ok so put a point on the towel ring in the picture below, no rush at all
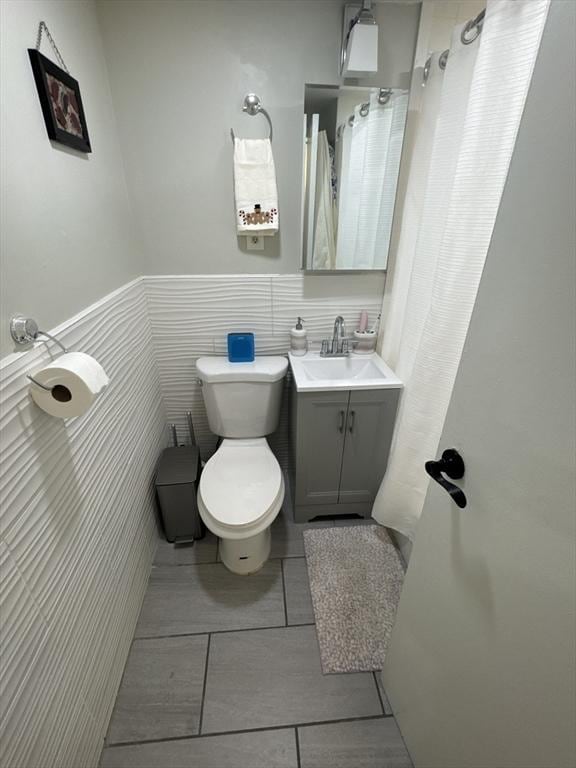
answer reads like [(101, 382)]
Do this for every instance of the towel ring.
[(253, 106)]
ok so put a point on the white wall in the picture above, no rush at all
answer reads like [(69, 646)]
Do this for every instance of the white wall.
[(67, 231), (179, 72), (77, 537)]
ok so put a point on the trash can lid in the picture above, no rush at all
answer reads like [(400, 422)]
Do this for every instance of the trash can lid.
[(178, 465)]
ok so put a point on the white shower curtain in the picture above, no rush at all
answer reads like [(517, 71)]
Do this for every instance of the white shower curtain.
[(324, 255), (371, 150), (481, 102), (420, 156)]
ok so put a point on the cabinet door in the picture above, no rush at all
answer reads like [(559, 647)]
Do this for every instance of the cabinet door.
[(320, 429), (369, 427)]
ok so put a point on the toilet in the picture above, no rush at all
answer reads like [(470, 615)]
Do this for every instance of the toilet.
[(241, 488)]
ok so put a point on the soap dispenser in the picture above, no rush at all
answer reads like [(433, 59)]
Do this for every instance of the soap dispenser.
[(298, 340)]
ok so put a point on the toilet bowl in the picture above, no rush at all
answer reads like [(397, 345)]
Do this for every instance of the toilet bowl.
[(241, 493), (241, 488)]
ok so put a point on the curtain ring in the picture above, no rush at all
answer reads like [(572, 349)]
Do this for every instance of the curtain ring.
[(426, 70), (384, 96), (442, 61), (468, 27), (364, 109)]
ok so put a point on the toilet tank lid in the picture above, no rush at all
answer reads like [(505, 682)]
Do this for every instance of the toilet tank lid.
[(220, 369)]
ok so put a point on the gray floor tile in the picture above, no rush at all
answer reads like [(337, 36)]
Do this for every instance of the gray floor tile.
[(362, 744), (208, 598), (264, 749), (273, 678), (383, 696), (298, 599), (287, 538), (161, 692), (201, 551)]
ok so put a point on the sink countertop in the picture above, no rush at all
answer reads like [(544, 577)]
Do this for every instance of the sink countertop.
[(313, 373)]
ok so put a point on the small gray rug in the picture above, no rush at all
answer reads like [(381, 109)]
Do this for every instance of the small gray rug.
[(356, 576)]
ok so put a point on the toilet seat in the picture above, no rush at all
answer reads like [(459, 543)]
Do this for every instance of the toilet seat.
[(241, 488)]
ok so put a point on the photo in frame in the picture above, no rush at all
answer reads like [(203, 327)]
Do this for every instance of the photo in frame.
[(61, 103)]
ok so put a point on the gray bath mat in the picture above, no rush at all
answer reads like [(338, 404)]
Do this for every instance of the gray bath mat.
[(356, 575)]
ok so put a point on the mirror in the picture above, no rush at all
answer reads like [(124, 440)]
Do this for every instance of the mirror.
[(353, 144)]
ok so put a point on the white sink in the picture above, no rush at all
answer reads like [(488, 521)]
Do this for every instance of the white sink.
[(313, 373), (341, 368)]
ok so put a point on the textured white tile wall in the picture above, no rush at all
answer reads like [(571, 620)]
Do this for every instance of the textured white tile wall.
[(190, 316), (77, 535)]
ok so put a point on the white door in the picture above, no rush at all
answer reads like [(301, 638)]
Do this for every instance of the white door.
[(480, 670)]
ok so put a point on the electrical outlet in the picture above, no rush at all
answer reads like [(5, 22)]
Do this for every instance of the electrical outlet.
[(254, 242)]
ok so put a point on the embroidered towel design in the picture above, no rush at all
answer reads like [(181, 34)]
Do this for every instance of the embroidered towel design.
[(255, 187), (258, 216)]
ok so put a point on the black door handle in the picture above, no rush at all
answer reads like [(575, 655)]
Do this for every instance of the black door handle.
[(450, 464)]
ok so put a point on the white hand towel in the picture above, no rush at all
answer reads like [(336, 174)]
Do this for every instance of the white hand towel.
[(255, 187)]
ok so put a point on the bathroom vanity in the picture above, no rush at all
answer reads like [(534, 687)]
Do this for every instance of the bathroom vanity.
[(342, 419)]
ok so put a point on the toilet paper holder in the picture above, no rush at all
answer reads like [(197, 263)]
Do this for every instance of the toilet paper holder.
[(24, 330)]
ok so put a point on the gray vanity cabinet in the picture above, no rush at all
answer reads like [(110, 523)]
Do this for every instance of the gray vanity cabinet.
[(320, 431), (370, 422), (340, 443)]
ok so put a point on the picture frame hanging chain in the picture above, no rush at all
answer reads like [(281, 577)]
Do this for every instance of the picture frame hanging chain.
[(42, 27)]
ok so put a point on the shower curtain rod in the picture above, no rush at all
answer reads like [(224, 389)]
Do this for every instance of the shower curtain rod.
[(474, 24)]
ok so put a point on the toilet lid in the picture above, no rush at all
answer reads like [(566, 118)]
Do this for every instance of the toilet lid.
[(241, 481)]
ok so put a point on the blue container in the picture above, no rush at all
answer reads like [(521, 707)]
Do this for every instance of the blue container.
[(241, 347)]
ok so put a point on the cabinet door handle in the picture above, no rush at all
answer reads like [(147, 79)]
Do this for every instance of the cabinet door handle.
[(352, 420), (341, 425)]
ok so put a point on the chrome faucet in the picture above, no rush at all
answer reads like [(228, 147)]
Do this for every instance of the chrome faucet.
[(338, 347), (338, 332)]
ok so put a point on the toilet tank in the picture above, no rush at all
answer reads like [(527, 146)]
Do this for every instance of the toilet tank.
[(242, 399)]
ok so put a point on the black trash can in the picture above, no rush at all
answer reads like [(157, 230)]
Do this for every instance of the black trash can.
[(177, 480)]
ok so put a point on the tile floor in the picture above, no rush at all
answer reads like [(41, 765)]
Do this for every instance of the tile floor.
[(224, 672)]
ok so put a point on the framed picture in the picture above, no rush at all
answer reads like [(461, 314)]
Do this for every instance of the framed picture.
[(61, 103)]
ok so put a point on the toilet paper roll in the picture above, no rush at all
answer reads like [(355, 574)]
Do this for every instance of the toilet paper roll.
[(76, 380)]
